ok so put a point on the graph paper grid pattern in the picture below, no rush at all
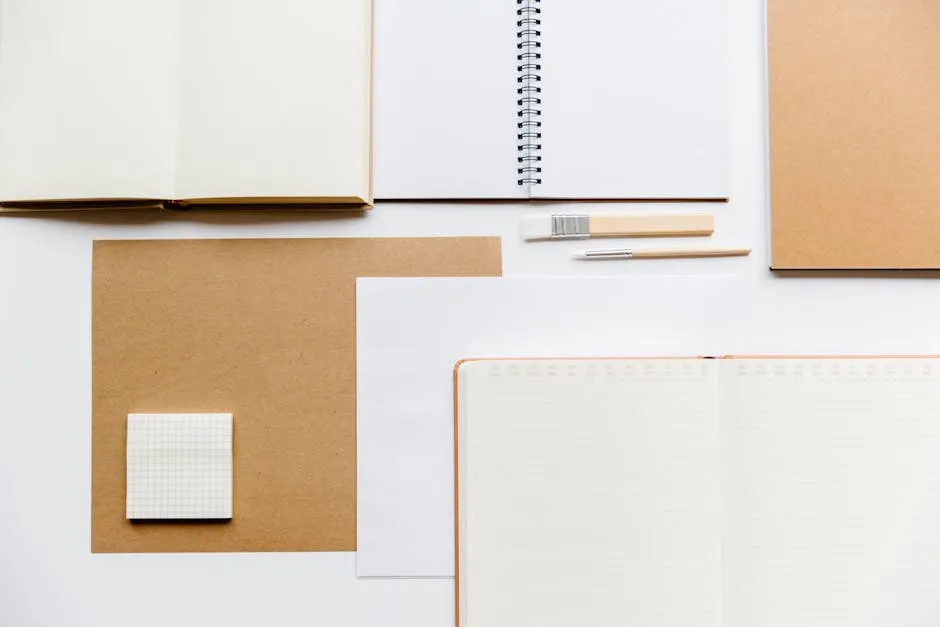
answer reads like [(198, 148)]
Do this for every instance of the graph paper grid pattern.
[(179, 466)]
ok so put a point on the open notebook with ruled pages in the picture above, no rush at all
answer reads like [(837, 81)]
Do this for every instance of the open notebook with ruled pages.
[(591, 99), (195, 101), (698, 492)]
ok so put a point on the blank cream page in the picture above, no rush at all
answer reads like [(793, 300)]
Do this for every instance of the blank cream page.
[(589, 493), (832, 485), (87, 99), (274, 99)]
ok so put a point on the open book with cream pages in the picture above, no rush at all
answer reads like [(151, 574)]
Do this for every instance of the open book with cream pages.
[(709, 492), (140, 102)]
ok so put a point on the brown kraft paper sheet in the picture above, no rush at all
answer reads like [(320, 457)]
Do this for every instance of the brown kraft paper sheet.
[(264, 329)]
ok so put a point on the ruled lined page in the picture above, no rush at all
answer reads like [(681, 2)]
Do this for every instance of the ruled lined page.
[(589, 493), (832, 487)]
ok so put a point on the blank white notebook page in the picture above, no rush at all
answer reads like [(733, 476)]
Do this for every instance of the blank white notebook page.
[(589, 493), (179, 466), (635, 99), (87, 99), (832, 484), (274, 99), (445, 99)]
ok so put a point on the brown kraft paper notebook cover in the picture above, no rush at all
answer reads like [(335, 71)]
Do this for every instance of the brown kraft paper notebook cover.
[(264, 329), (854, 94)]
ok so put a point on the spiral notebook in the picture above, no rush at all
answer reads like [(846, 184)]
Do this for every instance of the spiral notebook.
[(552, 99), (208, 101), (698, 492)]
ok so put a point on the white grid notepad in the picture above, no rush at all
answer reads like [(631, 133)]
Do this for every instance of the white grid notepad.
[(179, 466)]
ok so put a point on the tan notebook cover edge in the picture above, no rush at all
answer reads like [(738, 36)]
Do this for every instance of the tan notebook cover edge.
[(341, 203), (43, 206), (852, 132)]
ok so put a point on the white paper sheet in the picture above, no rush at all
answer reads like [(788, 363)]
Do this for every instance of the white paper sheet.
[(412, 331)]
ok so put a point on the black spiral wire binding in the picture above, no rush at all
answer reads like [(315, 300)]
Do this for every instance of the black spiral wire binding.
[(529, 91)]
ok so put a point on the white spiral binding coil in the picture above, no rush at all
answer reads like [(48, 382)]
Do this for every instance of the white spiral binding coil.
[(529, 91)]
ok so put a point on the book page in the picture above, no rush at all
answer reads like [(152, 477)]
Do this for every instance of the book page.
[(589, 493), (635, 99), (274, 99), (832, 487), (445, 99), (87, 99)]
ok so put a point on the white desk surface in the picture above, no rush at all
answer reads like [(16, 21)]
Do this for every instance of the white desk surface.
[(48, 577)]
